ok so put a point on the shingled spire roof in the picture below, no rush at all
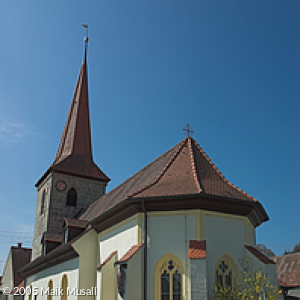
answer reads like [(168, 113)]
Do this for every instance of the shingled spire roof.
[(74, 155), (184, 170)]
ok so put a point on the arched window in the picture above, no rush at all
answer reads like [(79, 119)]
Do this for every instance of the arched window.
[(64, 287), (72, 197), (43, 202), (169, 279), (30, 294), (225, 271), (50, 286)]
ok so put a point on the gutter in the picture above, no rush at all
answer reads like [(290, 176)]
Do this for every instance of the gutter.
[(145, 248)]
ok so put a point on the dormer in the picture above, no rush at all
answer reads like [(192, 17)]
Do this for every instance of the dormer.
[(71, 228), (50, 241)]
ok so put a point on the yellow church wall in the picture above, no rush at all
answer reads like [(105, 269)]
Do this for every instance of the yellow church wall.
[(87, 248), (108, 284), (134, 276)]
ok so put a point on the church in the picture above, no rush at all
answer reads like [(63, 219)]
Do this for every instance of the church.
[(173, 230)]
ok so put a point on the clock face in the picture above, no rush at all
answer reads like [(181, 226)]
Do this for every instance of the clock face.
[(61, 186)]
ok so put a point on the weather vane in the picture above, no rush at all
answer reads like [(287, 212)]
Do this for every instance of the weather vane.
[(86, 39), (188, 129)]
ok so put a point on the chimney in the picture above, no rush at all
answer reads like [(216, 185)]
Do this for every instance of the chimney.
[(19, 245)]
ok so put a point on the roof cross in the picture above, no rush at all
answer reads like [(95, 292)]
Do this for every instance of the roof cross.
[(188, 129)]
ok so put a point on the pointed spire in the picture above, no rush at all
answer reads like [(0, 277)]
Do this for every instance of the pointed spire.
[(86, 40), (74, 155)]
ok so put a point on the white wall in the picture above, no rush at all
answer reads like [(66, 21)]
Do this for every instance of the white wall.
[(121, 239), (168, 233), (55, 273), (223, 235)]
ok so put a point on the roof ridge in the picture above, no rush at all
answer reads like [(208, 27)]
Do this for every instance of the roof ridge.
[(194, 165), (67, 124), (163, 171), (219, 172), (135, 174)]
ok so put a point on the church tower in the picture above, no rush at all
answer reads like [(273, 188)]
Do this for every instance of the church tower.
[(73, 181)]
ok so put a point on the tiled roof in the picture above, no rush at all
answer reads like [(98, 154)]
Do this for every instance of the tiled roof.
[(264, 259), (74, 155), (106, 260), (185, 169), (74, 223), (288, 270), (130, 252), (197, 249), (20, 257)]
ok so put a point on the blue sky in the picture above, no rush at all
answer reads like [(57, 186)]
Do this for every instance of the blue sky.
[(230, 68)]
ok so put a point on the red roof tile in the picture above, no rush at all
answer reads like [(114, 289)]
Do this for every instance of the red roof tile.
[(20, 285), (183, 170), (288, 270), (107, 260), (197, 249), (74, 155), (130, 252), (264, 259)]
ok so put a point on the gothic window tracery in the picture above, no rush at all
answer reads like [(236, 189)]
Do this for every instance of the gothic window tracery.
[(170, 280), (223, 274)]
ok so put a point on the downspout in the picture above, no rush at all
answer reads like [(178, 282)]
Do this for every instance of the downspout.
[(145, 249)]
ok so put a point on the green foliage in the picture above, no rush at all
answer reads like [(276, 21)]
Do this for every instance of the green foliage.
[(296, 248), (248, 286)]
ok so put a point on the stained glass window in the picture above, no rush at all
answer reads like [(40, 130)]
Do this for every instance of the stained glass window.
[(170, 281), (223, 275)]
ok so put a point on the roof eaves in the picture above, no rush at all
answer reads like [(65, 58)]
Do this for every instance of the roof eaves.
[(220, 174)]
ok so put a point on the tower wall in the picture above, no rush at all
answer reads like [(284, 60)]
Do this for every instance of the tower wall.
[(55, 205)]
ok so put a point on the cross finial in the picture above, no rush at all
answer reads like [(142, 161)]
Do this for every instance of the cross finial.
[(188, 129), (86, 39)]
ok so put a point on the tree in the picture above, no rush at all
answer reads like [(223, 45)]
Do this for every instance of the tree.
[(296, 248), (250, 285), (264, 250)]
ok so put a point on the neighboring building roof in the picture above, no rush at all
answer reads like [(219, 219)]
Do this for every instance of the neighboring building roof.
[(134, 249), (197, 249), (74, 155), (264, 259), (20, 257), (288, 270), (106, 260), (185, 169)]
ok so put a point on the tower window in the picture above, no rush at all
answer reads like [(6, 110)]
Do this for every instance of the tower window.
[(72, 197), (43, 203)]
